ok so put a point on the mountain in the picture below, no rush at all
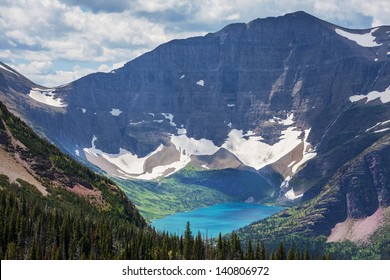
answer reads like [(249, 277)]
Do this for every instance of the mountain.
[(301, 104)]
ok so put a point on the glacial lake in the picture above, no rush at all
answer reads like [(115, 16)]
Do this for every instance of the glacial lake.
[(218, 218)]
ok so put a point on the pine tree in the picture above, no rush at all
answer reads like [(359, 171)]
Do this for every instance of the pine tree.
[(257, 251), (281, 252), (198, 248), (262, 251), (187, 242), (220, 248), (291, 254), (236, 250), (249, 251)]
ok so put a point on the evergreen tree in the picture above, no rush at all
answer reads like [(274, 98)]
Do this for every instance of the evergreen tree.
[(198, 248), (281, 252), (257, 250), (220, 254), (187, 242), (262, 252), (249, 251), (236, 250), (291, 254)]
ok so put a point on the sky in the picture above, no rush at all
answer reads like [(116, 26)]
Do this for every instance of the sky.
[(53, 42)]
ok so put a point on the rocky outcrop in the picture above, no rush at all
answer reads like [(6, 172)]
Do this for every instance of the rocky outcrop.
[(367, 185)]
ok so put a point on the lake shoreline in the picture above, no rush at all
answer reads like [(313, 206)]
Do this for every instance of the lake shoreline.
[(211, 220)]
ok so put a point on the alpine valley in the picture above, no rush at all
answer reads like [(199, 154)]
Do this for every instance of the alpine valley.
[(290, 111)]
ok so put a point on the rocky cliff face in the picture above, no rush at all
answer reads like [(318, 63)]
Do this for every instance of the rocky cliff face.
[(292, 94)]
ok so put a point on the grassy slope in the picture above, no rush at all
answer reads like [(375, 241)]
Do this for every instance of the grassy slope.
[(158, 199)]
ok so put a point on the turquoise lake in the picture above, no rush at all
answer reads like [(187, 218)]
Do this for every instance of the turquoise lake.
[(218, 218)]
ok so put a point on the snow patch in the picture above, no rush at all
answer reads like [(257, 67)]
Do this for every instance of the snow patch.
[(115, 112), (46, 96), (182, 77), (306, 157), (365, 40), (200, 83), (381, 130), (152, 114), (289, 120), (291, 195), (125, 160), (243, 147), (230, 105), (307, 154), (190, 146), (285, 184), (205, 166), (187, 147), (291, 163), (83, 110), (384, 96), (229, 125), (77, 152), (181, 131), (136, 123), (372, 127), (169, 117)]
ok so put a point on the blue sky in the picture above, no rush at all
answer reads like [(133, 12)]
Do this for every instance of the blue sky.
[(54, 42)]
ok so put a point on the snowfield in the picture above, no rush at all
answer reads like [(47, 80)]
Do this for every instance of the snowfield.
[(365, 40), (384, 96), (46, 96), (125, 161)]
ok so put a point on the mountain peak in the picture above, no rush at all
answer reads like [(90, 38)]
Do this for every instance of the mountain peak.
[(300, 18)]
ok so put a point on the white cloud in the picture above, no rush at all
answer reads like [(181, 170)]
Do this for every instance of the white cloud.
[(59, 77), (162, 5), (37, 36), (34, 67)]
